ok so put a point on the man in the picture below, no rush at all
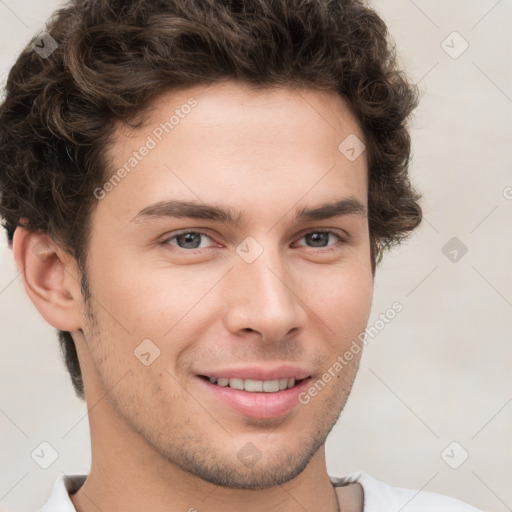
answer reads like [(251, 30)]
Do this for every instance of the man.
[(198, 194)]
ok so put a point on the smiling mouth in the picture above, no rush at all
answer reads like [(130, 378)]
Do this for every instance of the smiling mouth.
[(255, 386)]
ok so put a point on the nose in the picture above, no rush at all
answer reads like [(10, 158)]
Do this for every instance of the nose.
[(263, 296)]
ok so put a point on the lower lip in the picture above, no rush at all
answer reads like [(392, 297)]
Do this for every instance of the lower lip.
[(259, 405)]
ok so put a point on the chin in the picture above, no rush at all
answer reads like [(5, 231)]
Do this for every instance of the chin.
[(262, 475)]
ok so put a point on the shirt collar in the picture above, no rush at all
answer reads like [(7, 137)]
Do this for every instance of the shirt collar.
[(69, 484), (63, 487)]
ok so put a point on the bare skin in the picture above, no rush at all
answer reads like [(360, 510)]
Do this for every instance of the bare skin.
[(161, 440)]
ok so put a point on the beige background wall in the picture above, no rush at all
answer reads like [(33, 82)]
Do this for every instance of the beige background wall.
[(440, 371)]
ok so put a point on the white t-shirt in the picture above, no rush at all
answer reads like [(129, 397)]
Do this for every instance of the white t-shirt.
[(378, 496)]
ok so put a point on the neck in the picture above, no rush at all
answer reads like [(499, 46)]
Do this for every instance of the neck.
[(135, 487), (128, 474)]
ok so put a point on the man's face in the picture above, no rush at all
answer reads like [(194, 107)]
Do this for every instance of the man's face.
[(269, 297)]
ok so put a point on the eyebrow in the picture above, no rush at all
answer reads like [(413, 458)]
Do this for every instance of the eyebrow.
[(193, 210)]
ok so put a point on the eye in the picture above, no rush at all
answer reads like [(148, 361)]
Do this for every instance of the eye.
[(320, 239), (194, 240), (188, 240)]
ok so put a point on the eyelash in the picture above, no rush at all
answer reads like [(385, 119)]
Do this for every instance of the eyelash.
[(340, 239)]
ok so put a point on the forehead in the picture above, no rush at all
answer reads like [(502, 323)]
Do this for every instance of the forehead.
[(231, 144)]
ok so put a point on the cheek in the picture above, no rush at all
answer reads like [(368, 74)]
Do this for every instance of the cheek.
[(148, 298), (144, 299), (341, 296)]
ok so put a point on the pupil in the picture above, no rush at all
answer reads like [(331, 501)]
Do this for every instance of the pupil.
[(317, 239), (188, 239), (323, 238)]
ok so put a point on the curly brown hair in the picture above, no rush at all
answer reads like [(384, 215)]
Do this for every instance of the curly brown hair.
[(115, 57)]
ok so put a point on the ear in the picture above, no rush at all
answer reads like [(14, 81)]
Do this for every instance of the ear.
[(50, 278)]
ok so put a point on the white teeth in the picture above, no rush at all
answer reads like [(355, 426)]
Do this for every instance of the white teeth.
[(254, 386), (270, 386), (236, 384)]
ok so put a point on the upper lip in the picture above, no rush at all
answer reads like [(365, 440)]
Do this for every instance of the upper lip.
[(259, 372)]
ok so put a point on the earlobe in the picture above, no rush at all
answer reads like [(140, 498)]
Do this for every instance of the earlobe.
[(49, 277)]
